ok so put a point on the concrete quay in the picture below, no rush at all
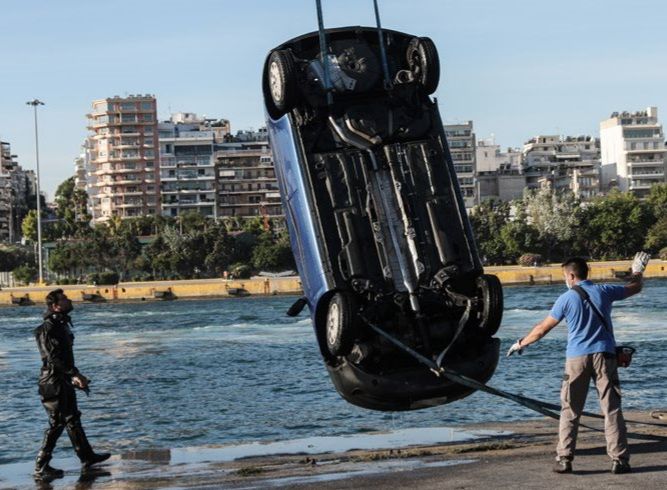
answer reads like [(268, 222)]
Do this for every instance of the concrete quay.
[(498, 455), (220, 288)]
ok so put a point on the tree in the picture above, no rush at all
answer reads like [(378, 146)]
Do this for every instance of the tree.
[(72, 209), (657, 200), (556, 216), (221, 247), (616, 225), (487, 221), (29, 226), (271, 254), (25, 273), (13, 257), (657, 235)]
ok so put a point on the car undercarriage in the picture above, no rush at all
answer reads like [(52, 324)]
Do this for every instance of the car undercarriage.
[(403, 276)]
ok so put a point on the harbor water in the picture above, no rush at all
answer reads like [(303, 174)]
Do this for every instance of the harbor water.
[(194, 373)]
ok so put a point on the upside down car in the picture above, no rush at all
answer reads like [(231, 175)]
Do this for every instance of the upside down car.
[(382, 242)]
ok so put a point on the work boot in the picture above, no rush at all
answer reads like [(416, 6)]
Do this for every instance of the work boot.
[(619, 467), (563, 465)]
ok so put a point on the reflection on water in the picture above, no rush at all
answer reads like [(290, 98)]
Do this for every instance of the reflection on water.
[(191, 373)]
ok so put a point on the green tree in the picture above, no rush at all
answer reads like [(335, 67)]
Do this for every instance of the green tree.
[(616, 225), (25, 273), (272, 254), (29, 226), (657, 200), (656, 239), (254, 225), (221, 247), (556, 216), (14, 256), (487, 220), (72, 209)]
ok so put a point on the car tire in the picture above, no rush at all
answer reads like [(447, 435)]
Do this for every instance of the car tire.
[(341, 324), (281, 81), (424, 63), (490, 292)]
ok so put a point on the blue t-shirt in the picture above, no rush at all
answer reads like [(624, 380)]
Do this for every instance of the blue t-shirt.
[(585, 332)]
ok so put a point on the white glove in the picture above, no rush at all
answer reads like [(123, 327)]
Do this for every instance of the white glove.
[(516, 347), (640, 261)]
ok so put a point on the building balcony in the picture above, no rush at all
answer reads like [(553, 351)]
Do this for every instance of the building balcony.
[(201, 202), (129, 205), (647, 175), (646, 163)]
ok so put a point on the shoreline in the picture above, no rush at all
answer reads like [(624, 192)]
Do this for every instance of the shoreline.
[(468, 456), (272, 286)]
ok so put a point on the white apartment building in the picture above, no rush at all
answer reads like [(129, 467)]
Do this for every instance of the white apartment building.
[(461, 140), (633, 151), (571, 162), (187, 163), (123, 149)]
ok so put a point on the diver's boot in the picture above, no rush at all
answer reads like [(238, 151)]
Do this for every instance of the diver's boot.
[(47, 472), (82, 447), (43, 470)]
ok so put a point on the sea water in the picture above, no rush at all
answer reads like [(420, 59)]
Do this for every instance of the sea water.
[(192, 373)]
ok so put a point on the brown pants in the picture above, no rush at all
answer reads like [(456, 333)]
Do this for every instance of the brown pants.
[(579, 371)]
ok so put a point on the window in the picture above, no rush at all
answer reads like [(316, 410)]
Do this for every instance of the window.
[(147, 117), (146, 106)]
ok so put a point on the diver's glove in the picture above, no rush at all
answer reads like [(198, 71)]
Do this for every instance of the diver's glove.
[(640, 261), (516, 347)]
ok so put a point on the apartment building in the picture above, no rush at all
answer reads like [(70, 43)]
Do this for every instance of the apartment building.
[(633, 151), (566, 163), (187, 163), (247, 184), (124, 166), (461, 140), (17, 193)]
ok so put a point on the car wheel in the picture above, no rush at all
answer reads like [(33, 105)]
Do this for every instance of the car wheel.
[(340, 325), (490, 292), (281, 81), (424, 63)]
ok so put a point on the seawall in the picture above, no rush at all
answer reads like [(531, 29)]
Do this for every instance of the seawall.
[(219, 288)]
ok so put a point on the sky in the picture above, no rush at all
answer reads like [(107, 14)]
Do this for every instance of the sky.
[(515, 68)]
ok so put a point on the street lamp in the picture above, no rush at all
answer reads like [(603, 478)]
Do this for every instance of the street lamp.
[(34, 103)]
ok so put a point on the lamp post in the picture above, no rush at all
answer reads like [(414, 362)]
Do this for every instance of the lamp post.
[(34, 103)]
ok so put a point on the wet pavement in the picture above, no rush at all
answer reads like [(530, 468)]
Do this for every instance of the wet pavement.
[(500, 455)]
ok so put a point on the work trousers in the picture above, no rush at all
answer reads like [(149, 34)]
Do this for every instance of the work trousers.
[(602, 369)]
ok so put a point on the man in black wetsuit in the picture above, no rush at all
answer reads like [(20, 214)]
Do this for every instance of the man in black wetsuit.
[(57, 381)]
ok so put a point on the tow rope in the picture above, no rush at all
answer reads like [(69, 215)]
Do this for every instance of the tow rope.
[(539, 406)]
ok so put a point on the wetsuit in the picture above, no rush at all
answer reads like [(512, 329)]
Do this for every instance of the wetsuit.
[(55, 340)]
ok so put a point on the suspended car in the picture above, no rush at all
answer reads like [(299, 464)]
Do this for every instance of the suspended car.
[(378, 228)]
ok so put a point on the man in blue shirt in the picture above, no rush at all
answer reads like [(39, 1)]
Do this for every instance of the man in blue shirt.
[(591, 354)]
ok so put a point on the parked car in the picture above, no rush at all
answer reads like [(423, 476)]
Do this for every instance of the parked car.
[(380, 235)]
